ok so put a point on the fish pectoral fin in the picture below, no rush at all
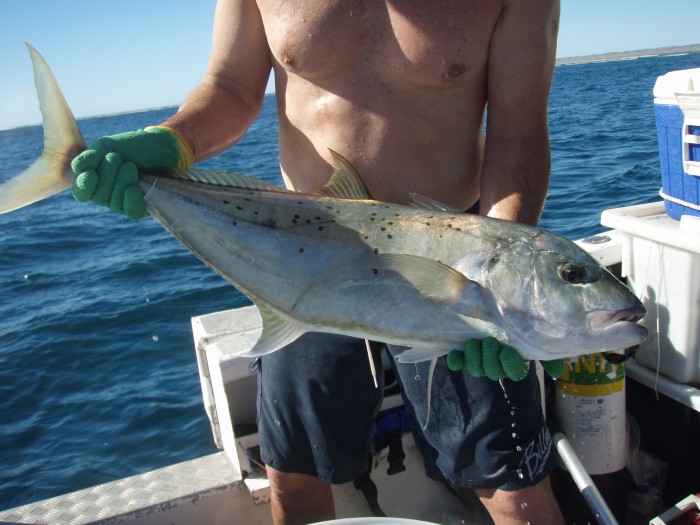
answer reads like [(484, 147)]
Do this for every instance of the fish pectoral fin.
[(431, 278), (426, 203), (417, 354), (345, 182), (278, 330)]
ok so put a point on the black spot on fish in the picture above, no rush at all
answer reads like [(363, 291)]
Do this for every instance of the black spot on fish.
[(308, 221), (449, 226), (235, 223), (255, 212), (320, 228), (366, 237), (294, 221), (427, 224), (391, 223), (301, 250), (247, 199), (375, 271), (317, 218), (226, 202), (383, 228), (297, 216), (389, 236), (376, 251), (238, 208)]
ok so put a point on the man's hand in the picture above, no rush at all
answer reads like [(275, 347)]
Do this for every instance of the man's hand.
[(488, 358), (107, 172)]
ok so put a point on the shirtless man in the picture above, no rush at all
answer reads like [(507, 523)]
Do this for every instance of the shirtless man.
[(399, 87)]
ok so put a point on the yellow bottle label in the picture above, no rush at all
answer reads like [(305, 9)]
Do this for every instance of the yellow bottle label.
[(591, 375)]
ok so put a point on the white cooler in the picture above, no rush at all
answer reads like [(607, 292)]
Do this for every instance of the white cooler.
[(661, 260)]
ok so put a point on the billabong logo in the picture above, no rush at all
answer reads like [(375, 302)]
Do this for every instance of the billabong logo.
[(536, 453)]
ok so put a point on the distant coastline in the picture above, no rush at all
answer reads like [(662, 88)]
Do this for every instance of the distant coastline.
[(622, 55)]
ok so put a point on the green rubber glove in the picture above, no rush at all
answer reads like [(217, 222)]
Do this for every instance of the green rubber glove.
[(488, 358), (107, 172)]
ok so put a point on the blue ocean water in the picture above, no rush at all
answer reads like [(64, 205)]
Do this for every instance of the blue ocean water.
[(98, 377)]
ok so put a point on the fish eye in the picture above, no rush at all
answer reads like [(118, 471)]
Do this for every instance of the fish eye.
[(572, 274)]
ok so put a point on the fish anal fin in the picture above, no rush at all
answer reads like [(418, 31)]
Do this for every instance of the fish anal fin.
[(416, 354), (345, 182), (278, 330)]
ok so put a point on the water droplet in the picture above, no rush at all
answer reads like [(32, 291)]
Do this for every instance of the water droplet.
[(523, 505), (512, 424), (417, 378), (26, 276), (521, 475), (514, 435), (277, 422), (155, 338), (519, 448)]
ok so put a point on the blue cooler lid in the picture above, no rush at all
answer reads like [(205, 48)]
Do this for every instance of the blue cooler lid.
[(676, 86), (681, 88)]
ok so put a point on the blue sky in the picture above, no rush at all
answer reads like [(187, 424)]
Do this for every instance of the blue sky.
[(112, 57)]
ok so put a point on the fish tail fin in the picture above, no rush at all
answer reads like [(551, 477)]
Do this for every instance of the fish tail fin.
[(51, 173)]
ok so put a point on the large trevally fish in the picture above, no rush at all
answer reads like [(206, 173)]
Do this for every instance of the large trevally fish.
[(422, 276)]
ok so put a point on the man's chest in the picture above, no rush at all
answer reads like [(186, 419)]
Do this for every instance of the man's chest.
[(425, 43)]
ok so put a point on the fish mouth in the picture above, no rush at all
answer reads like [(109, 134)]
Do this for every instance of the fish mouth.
[(618, 322)]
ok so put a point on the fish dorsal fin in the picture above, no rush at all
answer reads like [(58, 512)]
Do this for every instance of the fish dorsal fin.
[(278, 330), (426, 203), (345, 183), (222, 178)]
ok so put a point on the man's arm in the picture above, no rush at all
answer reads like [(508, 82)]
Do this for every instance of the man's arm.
[(515, 173), (227, 101)]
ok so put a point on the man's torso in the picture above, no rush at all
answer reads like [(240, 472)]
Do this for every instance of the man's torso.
[(399, 88)]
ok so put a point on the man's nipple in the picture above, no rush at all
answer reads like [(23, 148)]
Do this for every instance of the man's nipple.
[(454, 71)]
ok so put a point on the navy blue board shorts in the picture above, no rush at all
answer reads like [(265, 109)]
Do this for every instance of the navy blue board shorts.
[(317, 403)]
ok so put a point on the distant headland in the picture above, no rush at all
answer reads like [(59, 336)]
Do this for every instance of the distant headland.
[(670, 50)]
